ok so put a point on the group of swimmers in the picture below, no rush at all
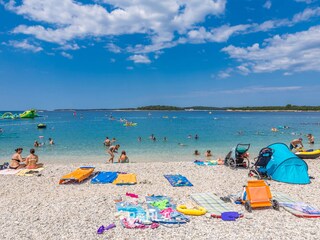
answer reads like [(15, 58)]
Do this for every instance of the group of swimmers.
[(207, 153), (38, 144), (30, 162)]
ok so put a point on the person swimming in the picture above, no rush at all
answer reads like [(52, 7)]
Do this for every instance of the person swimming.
[(107, 142), (208, 153), (310, 138), (51, 142), (196, 153)]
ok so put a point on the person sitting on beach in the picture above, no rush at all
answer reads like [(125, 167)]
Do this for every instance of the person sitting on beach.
[(123, 157), (112, 150), (196, 153), (295, 143), (310, 138), (208, 153), (16, 160), (107, 142), (51, 142), (32, 160)]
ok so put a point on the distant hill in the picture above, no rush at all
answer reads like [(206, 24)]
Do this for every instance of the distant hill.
[(288, 107)]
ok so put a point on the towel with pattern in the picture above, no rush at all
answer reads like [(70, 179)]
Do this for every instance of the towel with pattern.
[(178, 180), (214, 205)]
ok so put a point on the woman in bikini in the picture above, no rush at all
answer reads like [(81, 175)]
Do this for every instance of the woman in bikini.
[(17, 159), (112, 150), (32, 160)]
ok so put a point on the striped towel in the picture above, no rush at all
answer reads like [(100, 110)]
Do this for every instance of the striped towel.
[(214, 205), (285, 200)]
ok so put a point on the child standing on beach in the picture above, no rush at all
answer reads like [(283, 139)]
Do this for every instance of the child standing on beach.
[(112, 150)]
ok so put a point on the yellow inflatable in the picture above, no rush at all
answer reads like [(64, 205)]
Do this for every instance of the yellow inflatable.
[(308, 154), (196, 211)]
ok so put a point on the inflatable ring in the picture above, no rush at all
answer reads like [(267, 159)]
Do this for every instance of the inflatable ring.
[(198, 211)]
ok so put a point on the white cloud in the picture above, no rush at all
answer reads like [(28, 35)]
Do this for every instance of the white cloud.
[(66, 55), (257, 89), (306, 14), (25, 45), (306, 1), (267, 4), (113, 48), (225, 73), (290, 52), (70, 19), (139, 59)]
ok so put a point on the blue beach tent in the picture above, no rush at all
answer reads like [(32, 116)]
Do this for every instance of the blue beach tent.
[(285, 166)]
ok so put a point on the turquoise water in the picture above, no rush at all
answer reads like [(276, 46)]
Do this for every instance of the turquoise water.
[(80, 138)]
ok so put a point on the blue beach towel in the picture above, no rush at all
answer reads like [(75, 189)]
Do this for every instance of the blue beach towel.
[(104, 177), (178, 180), (205, 163)]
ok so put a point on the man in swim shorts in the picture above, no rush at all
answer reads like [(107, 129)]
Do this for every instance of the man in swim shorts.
[(296, 143)]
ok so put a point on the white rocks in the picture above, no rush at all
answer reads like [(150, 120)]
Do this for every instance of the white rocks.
[(55, 211)]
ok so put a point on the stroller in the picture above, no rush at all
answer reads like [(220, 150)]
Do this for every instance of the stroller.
[(238, 157), (259, 167)]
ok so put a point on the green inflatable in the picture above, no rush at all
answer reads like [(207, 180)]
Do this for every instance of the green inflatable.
[(29, 114), (8, 115)]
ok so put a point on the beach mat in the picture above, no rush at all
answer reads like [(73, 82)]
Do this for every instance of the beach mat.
[(178, 180), (156, 204), (104, 177), (29, 172), (205, 163), (212, 203), (78, 175), (283, 199), (9, 171), (126, 179)]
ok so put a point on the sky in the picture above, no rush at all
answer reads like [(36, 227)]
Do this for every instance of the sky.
[(129, 53)]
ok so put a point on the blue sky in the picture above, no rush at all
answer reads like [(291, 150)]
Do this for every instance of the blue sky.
[(129, 53)]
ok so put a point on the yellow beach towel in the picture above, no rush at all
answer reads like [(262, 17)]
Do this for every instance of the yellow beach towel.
[(78, 175), (126, 179)]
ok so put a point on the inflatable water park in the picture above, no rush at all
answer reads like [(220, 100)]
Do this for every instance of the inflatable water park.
[(32, 113)]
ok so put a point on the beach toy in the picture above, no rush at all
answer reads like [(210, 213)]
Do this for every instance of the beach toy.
[(102, 228), (195, 211), (132, 195), (308, 154), (229, 216)]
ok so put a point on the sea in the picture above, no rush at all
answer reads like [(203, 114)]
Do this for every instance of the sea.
[(79, 136)]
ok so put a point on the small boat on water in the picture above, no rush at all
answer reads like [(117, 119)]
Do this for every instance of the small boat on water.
[(41, 126)]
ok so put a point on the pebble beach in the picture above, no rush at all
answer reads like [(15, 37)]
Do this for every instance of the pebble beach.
[(37, 207)]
